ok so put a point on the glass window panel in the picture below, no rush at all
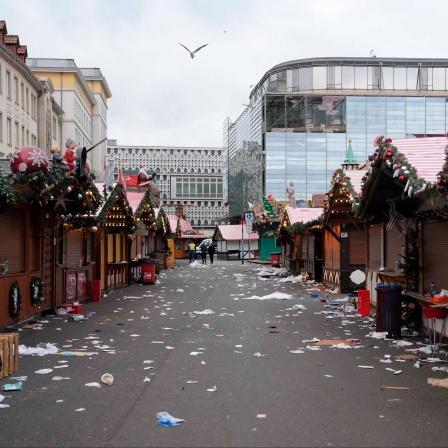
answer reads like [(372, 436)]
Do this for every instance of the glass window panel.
[(435, 116), (400, 78), (361, 78), (396, 116), (388, 78), (281, 81), (374, 77), (272, 83), (415, 115), (425, 78), (305, 78), (438, 78), (319, 78), (412, 77), (348, 77)]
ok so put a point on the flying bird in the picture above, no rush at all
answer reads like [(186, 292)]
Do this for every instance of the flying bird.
[(193, 52)]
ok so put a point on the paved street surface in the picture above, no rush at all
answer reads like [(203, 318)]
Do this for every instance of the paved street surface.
[(315, 398)]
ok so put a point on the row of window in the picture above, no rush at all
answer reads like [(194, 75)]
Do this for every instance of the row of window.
[(164, 152), (21, 95), (82, 117), (17, 136), (197, 187), (353, 77)]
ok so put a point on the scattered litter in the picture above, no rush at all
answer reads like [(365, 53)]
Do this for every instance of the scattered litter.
[(59, 378), (313, 348), (93, 384), (4, 406), (42, 349), (157, 342), (12, 386), (146, 380), (365, 367), (195, 353), (165, 419), (191, 382), (19, 378), (377, 335), (296, 351), (2, 397), (261, 415), (59, 401), (168, 347), (333, 342), (442, 369), (107, 378), (134, 335), (395, 372), (298, 307), (417, 365), (148, 361), (44, 371), (213, 389), (329, 376), (387, 361), (396, 388), (203, 312), (258, 355), (80, 409), (77, 353), (273, 296), (402, 343), (438, 382), (406, 357)]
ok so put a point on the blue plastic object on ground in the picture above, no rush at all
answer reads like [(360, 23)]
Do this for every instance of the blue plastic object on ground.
[(165, 419)]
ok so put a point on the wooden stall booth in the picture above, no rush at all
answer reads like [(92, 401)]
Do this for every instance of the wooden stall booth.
[(116, 225), (301, 237), (229, 239), (344, 236)]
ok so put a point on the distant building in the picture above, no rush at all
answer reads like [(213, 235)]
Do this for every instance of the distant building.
[(303, 112), (82, 93), (186, 176)]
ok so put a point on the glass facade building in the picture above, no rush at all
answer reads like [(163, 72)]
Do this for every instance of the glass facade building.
[(302, 114)]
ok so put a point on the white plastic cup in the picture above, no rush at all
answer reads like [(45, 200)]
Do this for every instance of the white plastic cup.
[(108, 379)]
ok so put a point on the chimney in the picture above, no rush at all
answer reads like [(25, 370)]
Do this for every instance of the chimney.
[(3, 31), (22, 53), (12, 43)]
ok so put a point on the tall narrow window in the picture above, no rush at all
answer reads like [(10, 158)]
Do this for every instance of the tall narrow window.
[(16, 90), (1, 127), (27, 101), (16, 134), (9, 131), (1, 80), (8, 84), (22, 95)]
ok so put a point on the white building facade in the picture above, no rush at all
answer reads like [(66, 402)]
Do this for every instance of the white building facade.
[(186, 176)]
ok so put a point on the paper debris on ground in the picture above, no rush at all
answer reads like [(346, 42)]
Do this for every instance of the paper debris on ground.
[(42, 349), (191, 382), (334, 342), (165, 419), (258, 355), (146, 380), (296, 351), (213, 389), (273, 296), (77, 353), (365, 367), (406, 357), (377, 335), (44, 371), (203, 312), (396, 388), (93, 384)]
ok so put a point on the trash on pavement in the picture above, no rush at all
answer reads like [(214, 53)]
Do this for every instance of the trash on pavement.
[(165, 419), (296, 351), (146, 380), (365, 367), (77, 353), (395, 372), (12, 386), (4, 406), (396, 387), (273, 296), (44, 371), (80, 409), (203, 312), (191, 382), (417, 364), (107, 378), (258, 355), (93, 384), (438, 382), (213, 389), (377, 334), (42, 349), (59, 378)]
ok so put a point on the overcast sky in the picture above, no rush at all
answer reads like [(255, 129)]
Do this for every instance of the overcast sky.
[(160, 96)]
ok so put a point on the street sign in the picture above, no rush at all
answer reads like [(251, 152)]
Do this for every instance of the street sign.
[(249, 226), (249, 217)]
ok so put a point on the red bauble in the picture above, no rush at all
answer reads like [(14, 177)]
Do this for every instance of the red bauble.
[(29, 159), (84, 205), (61, 191), (402, 179)]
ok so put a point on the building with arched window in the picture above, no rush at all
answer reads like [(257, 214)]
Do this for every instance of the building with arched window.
[(303, 112)]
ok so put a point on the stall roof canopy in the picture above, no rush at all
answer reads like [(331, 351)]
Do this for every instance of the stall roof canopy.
[(303, 214), (233, 233), (134, 198), (426, 154), (185, 226), (355, 177)]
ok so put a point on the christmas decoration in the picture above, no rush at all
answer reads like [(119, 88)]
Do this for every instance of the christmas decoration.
[(269, 208), (15, 301), (29, 159), (116, 215), (36, 287), (7, 196)]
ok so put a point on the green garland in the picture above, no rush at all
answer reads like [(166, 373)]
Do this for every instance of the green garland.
[(36, 288), (7, 196), (15, 301)]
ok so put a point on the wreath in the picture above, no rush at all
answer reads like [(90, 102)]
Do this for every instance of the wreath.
[(15, 300), (36, 287)]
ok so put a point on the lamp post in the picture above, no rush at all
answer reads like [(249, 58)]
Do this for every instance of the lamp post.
[(242, 238)]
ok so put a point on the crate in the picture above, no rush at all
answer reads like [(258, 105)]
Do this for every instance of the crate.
[(9, 353)]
